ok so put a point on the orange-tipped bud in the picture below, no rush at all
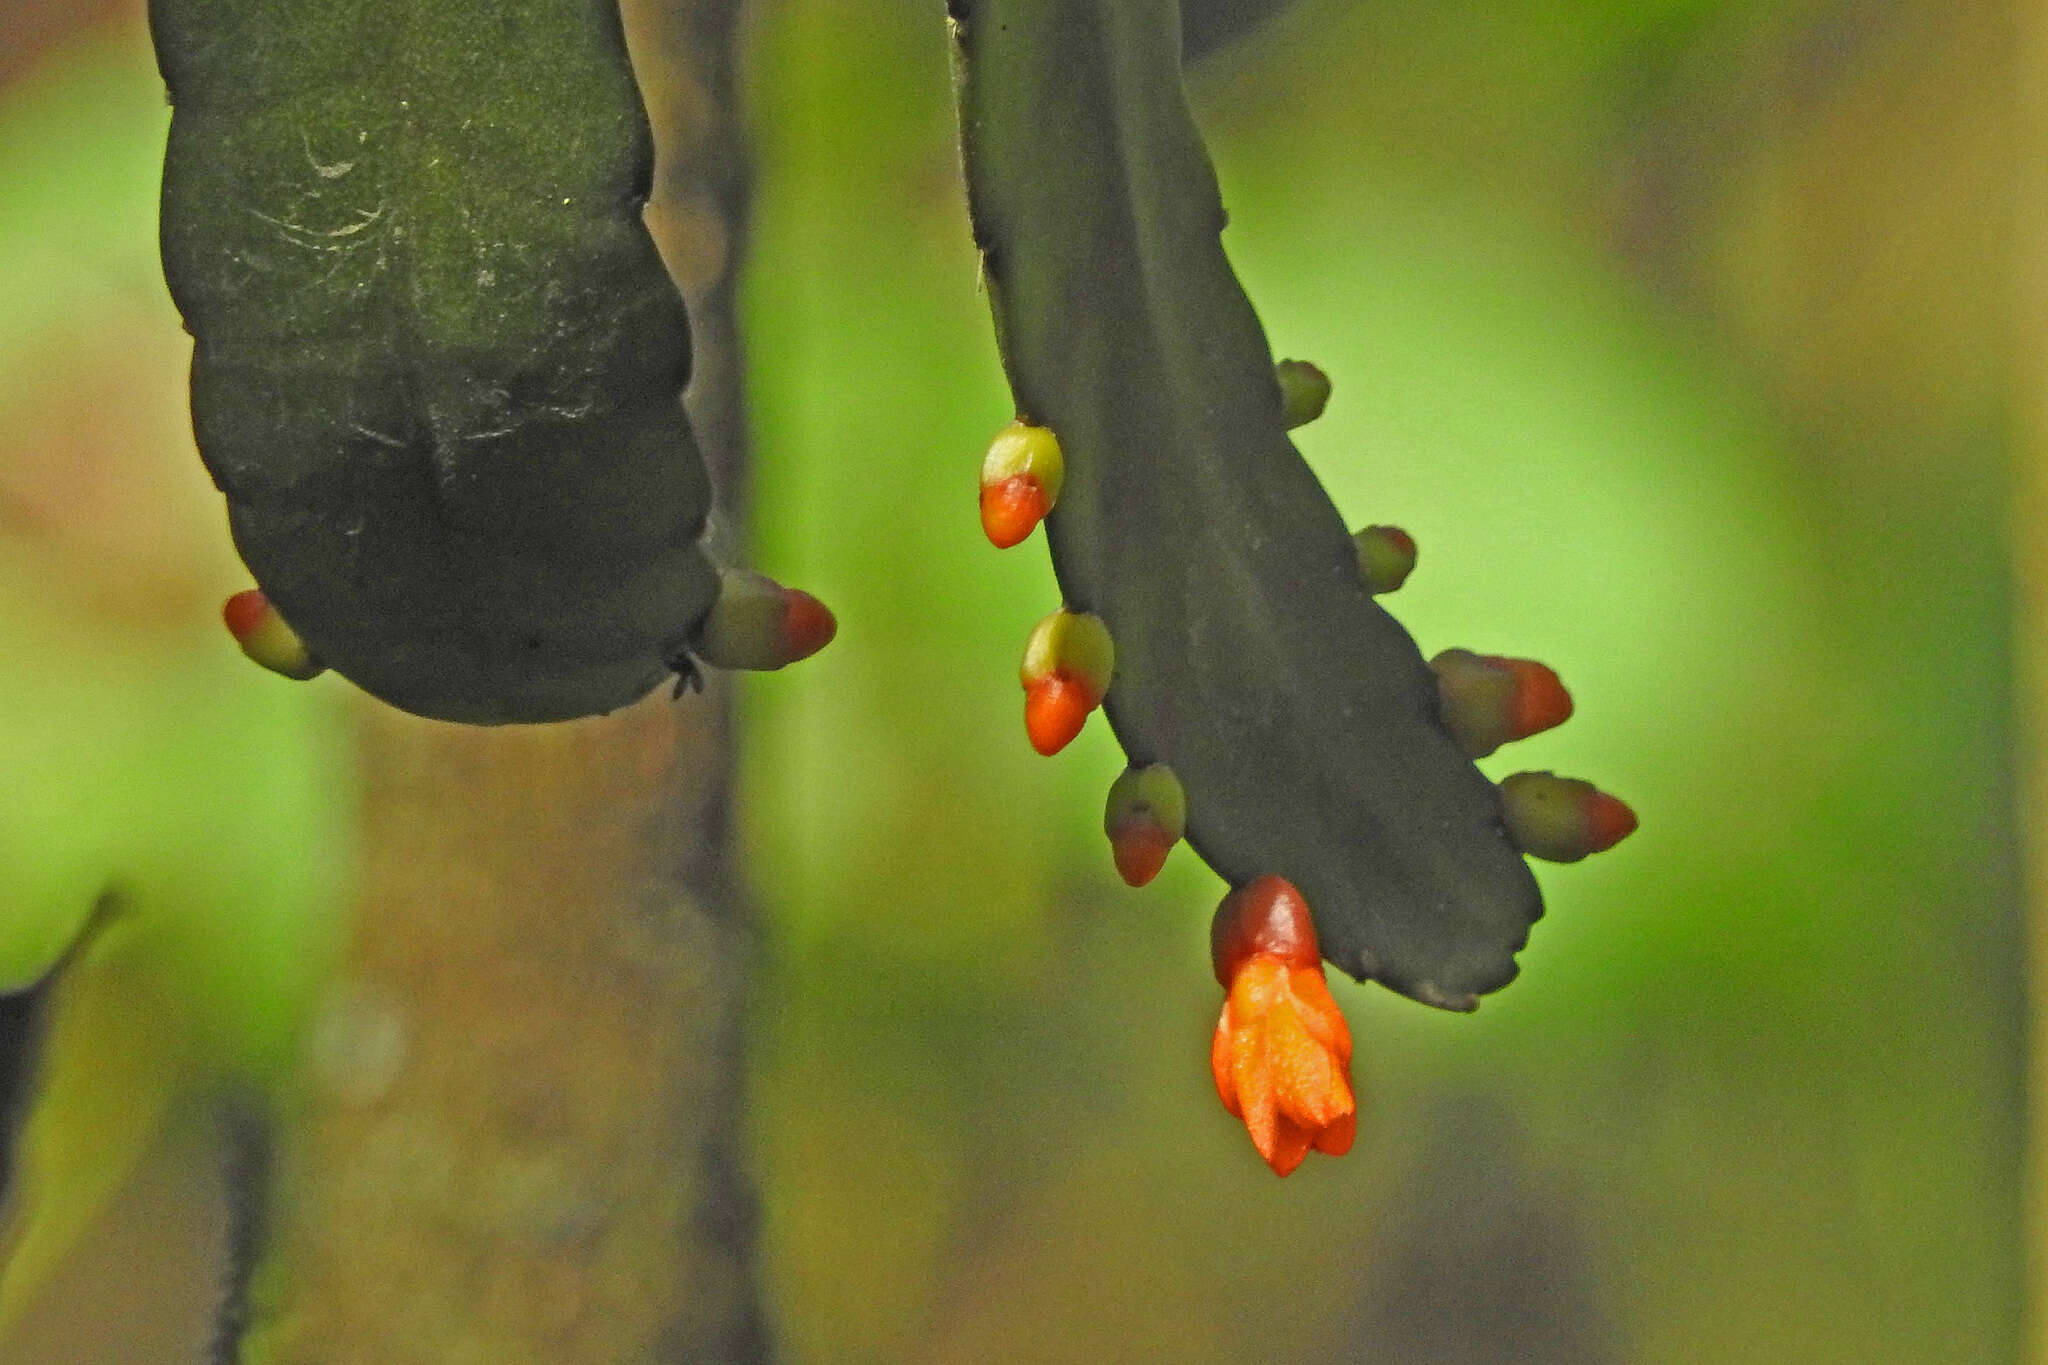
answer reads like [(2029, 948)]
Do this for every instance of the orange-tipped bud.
[(1562, 819), (1012, 509), (1488, 700), (1540, 701), (1055, 710), (1386, 556), (1281, 1053), (1020, 481), (1066, 672), (808, 625), (1304, 392), (759, 624), (1147, 814), (266, 638)]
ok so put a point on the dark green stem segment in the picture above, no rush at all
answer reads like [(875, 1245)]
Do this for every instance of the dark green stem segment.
[(437, 360), (1251, 655)]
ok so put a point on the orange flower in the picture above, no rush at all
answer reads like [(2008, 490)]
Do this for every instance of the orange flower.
[(1282, 1053)]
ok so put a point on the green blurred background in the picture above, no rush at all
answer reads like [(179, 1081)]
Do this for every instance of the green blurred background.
[(1674, 331)]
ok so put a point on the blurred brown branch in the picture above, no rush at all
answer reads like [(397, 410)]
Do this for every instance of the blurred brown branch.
[(28, 28), (520, 1143)]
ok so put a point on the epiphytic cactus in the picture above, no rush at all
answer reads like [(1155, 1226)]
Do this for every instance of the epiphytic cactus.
[(1214, 602), (438, 363)]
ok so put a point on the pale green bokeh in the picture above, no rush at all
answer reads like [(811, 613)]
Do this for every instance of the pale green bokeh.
[(175, 842)]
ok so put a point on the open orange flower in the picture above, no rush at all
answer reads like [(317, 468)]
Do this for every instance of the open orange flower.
[(1282, 1052)]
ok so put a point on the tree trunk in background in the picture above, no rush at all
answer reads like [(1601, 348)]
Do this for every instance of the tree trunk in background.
[(521, 1140), (29, 28)]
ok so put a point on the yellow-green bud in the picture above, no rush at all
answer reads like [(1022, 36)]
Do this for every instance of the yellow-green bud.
[(1020, 481), (1145, 816), (1304, 392), (759, 624), (1386, 556), (267, 638), (1562, 819), (1066, 672)]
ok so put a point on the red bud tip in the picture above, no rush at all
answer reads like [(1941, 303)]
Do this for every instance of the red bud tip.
[(244, 612), (1263, 917), (1540, 701), (1055, 708), (1608, 821), (758, 624), (1140, 850), (807, 624), (1010, 510), (266, 637), (1400, 539)]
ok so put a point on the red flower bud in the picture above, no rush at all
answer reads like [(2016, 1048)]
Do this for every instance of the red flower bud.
[(1066, 673), (1020, 481)]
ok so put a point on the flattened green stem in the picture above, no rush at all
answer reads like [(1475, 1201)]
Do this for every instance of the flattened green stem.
[(436, 357), (1250, 653)]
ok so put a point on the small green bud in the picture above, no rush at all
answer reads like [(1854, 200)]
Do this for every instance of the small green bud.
[(1562, 819), (1304, 392), (1386, 556), (1146, 815)]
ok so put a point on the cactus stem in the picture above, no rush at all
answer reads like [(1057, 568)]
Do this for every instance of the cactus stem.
[(1297, 712), (267, 638)]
